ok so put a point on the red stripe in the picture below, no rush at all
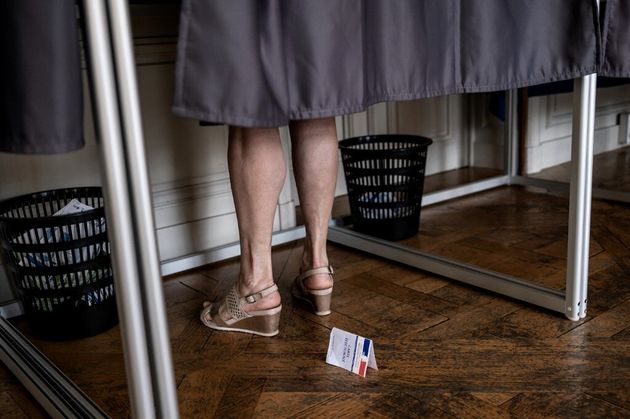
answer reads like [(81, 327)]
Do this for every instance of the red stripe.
[(362, 365)]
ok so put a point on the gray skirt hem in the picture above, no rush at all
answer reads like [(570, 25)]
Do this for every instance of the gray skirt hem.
[(219, 117), (615, 74), (44, 148)]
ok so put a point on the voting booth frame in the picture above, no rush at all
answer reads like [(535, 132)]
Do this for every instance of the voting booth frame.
[(140, 300)]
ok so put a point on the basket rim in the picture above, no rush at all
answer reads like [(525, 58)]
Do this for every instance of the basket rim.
[(10, 203), (347, 143)]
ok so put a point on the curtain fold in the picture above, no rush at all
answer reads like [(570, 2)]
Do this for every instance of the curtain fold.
[(263, 63), (41, 98), (616, 39)]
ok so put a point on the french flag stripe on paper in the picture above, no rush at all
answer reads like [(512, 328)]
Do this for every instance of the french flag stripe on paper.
[(362, 367), (366, 347)]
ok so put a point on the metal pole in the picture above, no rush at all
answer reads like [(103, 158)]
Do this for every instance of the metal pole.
[(511, 134), (584, 94), (160, 357), (58, 395), (116, 191), (591, 99)]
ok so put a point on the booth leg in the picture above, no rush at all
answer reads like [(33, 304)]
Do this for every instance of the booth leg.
[(584, 95), (138, 285), (151, 287)]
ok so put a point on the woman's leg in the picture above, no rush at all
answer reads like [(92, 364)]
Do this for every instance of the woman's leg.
[(257, 172), (314, 152)]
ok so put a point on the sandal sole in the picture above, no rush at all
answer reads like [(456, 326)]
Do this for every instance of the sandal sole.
[(296, 294), (233, 329), (260, 322)]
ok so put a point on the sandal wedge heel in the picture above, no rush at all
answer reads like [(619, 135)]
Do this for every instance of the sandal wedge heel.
[(319, 299)]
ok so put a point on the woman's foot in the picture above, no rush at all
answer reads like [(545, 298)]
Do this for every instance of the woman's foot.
[(318, 281), (315, 259), (256, 312), (315, 287)]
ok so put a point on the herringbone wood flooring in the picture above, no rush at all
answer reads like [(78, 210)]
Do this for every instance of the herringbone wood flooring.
[(443, 349), (610, 170)]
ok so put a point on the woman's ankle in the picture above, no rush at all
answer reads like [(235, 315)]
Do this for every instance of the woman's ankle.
[(253, 287), (312, 259), (318, 281)]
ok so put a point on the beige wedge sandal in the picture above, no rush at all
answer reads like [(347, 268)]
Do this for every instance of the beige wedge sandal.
[(318, 299), (259, 322)]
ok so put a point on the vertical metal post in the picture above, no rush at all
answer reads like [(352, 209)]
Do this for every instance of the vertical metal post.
[(146, 244), (511, 134), (584, 94), (583, 136), (120, 222)]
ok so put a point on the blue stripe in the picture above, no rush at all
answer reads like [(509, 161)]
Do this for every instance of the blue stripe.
[(354, 353), (366, 347)]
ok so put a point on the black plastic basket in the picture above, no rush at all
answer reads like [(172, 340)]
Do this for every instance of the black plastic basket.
[(385, 180), (60, 265)]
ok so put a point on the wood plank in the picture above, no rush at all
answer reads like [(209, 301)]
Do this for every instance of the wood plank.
[(342, 406), (27, 404), (612, 245), (115, 403), (496, 399), (618, 396), (461, 404), (240, 397), (274, 404), (530, 323), (200, 393), (404, 294), (390, 317), (9, 407), (543, 405), (466, 323), (605, 325), (409, 405)]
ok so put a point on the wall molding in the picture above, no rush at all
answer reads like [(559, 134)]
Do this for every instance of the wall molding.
[(548, 141), (192, 202), (443, 119)]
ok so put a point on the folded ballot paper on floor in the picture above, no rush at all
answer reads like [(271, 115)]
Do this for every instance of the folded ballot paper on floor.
[(351, 352)]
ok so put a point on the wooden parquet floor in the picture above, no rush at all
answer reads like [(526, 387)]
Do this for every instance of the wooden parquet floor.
[(443, 349), (610, 170)]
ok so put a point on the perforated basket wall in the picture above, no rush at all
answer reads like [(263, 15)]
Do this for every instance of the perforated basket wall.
[(385, 180), (60, 265)]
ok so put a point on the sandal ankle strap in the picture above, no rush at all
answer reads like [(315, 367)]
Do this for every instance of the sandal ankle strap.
[(315, 271), (252, 298), (233, 303)]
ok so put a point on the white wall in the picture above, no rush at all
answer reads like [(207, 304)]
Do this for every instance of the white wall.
[(444, 120), (548, 141)]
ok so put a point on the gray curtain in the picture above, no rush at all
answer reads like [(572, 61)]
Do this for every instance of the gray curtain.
[(41, 100), (262, 63), (616, 39)]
